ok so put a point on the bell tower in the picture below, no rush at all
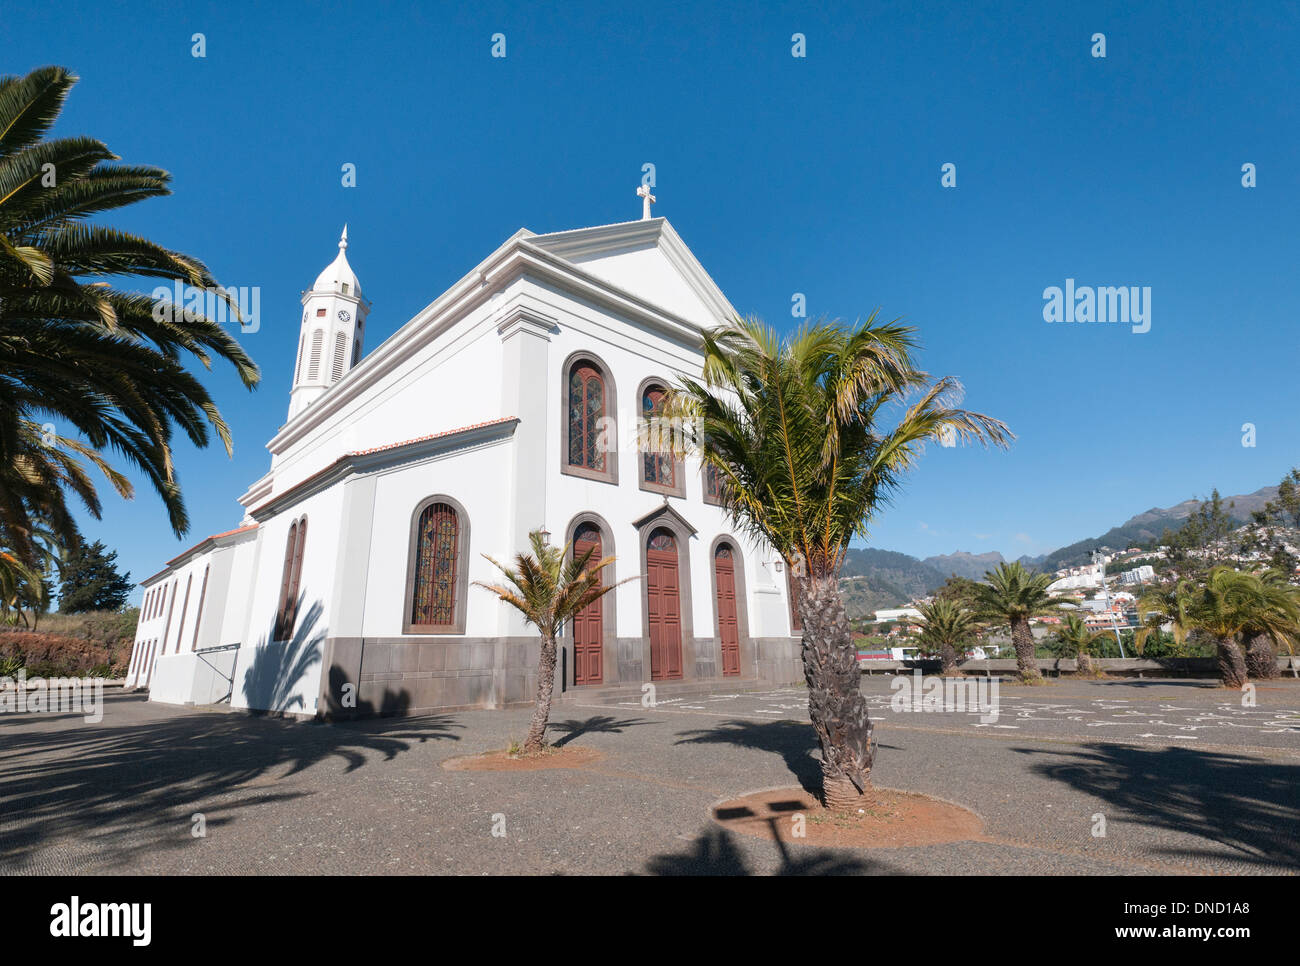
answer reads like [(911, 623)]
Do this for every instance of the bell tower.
[(332, 333)]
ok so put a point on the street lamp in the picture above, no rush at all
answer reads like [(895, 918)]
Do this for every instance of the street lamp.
[(1099, 560)]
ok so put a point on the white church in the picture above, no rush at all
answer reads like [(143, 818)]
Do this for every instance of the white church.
[(511, 403)]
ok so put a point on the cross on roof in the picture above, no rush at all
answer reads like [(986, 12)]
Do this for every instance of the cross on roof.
[(647, 199)]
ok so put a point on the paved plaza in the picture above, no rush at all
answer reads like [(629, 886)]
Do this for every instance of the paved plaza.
[(1188, 780)]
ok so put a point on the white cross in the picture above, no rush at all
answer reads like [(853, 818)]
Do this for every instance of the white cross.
[(647, 199)]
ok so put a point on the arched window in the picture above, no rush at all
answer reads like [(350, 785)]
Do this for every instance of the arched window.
[(586, 407), (290, 580), (198, 616), (712, 485), (658, 466), (435, 579), (185, 606)]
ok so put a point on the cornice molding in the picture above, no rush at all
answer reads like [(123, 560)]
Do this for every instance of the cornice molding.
[(521, 317)]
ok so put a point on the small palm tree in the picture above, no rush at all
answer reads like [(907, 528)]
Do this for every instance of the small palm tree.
[(945, 626), (1011, 595), (1159, 606), (1075, 640), (797, 432), (549, 587), (84, 366)]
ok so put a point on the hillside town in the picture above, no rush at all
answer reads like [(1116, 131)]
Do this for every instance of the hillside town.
[(1106, 592)]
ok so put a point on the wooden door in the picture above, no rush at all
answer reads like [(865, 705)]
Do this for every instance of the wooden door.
[(724, 579), (663, 606), (589, 625)]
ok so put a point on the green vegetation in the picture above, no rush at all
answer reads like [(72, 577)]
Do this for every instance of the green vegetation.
[(86, 367), (947, 628), (1011, 595)]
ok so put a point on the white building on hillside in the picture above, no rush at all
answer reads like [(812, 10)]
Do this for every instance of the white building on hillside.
[(509, 404)]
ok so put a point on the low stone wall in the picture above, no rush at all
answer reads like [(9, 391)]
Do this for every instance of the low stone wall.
[(395, 676), (1197, 667)]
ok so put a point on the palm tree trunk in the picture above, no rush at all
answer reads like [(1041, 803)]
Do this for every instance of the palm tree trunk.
[(835, 702), (948, 655), (545, 689), (1261, 657), (1232, 665), (1023, 640), (1085, 662)]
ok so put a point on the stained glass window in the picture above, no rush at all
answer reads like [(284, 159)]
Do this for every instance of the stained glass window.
[(657, 466), (724, 552), (712, 483), (433, 603), (586, 408), (662, 540), (290, 581)]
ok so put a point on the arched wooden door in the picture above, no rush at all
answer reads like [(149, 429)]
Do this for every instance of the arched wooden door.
[(663, 606), (588, 626), (724, 581)]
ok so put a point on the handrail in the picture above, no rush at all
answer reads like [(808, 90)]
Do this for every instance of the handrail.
[(230, 680)]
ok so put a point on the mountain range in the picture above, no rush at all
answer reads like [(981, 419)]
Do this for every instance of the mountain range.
[(875, 579)]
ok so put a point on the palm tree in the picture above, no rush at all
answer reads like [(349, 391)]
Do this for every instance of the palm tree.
[(945, 626), (1232, 604), (795, 430), (1277, 625), (1074, 639), (84, 366), (1159, 606), (548, 587), (1011, 595)]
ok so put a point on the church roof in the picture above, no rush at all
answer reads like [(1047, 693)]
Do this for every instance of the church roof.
[(338, 272), (350, 460), (641, 270)]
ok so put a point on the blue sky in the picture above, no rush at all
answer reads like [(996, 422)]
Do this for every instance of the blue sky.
[(818, 175)]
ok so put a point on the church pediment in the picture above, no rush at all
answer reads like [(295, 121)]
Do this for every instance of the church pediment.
[(648, 259), (662, 513)]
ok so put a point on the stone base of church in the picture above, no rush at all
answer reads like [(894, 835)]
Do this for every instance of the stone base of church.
[(364, 677)]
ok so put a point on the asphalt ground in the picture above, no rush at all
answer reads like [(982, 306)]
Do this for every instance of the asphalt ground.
[(1185, 777)]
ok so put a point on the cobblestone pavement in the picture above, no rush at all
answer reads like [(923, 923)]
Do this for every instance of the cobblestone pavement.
[(1187, 779)]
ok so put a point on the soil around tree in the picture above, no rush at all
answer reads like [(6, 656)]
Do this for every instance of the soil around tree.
[(895, 819), (569, 756)]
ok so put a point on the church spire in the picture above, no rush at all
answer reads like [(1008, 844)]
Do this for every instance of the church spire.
[(332, 332)]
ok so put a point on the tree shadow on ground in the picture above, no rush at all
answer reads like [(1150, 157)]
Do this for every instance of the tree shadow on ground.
[(121, 787), (596, 724), (1249, 806), (715, 852), (794, 741)]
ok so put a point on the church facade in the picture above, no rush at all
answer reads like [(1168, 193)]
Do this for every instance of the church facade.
[(510, 404)]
